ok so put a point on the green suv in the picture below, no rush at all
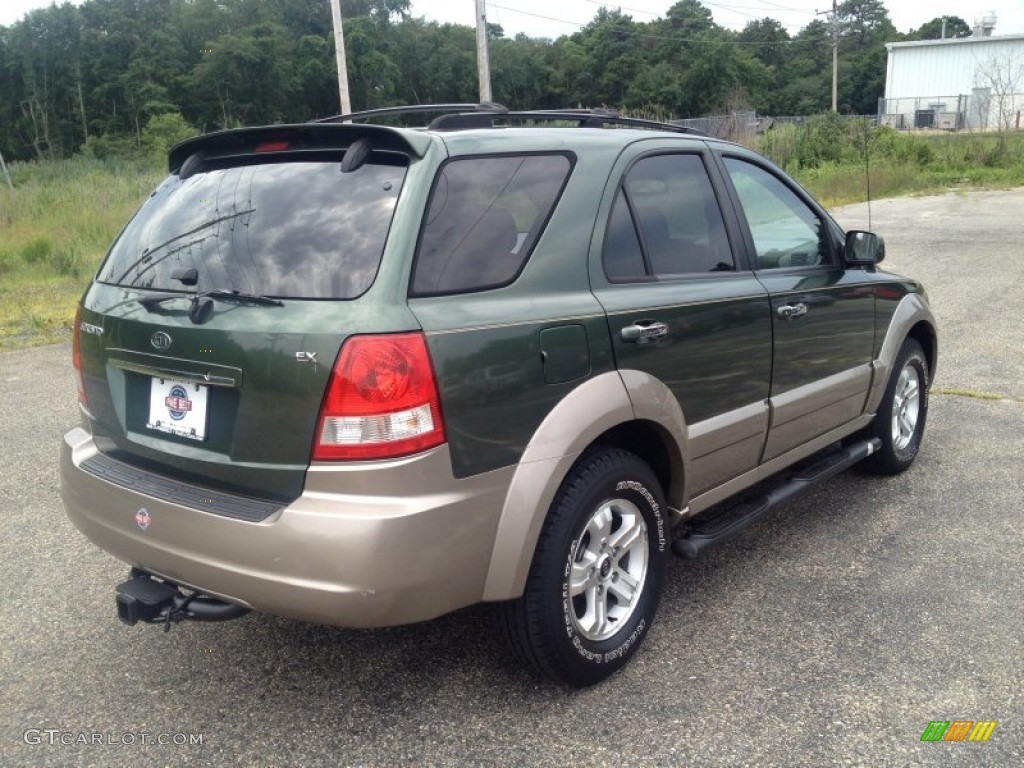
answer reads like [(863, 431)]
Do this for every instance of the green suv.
[(366, 375)]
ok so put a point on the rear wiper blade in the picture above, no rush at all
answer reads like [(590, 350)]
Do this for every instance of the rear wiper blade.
[(239, 296), (202, 301)]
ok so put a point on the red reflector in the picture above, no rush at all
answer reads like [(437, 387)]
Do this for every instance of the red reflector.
[(381, 400), (272, 146), (76, 354)]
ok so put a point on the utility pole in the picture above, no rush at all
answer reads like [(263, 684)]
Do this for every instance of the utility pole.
[(835, 53), (483, 64), (339, 51), (835, 56)]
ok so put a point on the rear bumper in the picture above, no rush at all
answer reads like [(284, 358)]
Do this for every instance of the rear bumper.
[(368, 544)]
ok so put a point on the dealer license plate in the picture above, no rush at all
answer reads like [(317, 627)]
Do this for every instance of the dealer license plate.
[(178, 408)]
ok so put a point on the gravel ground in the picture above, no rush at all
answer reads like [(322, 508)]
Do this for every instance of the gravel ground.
[(829, 634), (968, 250)]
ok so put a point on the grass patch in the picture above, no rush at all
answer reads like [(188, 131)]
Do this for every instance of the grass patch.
[(970, 393), (836, 185), (55, 226), (830, 157)]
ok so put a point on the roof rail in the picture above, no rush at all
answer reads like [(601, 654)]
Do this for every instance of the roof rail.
[(455, 117), (411, 109), (584, 118)]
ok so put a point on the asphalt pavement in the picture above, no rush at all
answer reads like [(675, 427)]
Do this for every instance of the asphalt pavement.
[(832, 633)]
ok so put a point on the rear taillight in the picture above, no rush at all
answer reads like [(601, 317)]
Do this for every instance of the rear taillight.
[(76, 355), (381, 400)]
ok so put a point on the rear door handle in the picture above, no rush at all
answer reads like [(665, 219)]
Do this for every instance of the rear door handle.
[(644, 331), (791, 311)]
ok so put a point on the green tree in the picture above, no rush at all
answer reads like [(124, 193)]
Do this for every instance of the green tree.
[(769, 43), (522, 72), (373, 78), (244, 79), (768, 40), (613, 58), (864, 29), (164, 131), (806, 76), (932, 30), (100, 73), (314, 92)]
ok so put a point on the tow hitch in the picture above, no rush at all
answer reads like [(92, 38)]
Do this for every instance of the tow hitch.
[(144, 598)]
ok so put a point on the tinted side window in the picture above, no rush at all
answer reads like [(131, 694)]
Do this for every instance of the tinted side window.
[(289, 229), (623, 259), (484, 217), (786, 232), (673, 205)]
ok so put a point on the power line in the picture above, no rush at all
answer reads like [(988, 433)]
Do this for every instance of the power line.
[(731, 8), (658, 15), (783, 7), (536, 15)]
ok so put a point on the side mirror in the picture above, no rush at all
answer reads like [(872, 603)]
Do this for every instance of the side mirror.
[(863, 249)]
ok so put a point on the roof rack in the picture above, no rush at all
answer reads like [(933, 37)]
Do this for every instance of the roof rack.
[(412, 109), (584, 118), (455, 117)]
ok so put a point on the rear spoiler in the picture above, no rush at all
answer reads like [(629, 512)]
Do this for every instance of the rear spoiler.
[(291, 138)]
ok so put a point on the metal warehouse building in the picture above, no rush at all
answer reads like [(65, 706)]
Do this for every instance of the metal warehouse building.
[(972, 83)]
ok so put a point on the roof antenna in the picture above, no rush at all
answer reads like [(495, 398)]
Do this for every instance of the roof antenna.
[(867, 166)]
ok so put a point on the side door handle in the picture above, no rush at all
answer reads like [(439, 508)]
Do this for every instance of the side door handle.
[(791, 311), (644, 331)]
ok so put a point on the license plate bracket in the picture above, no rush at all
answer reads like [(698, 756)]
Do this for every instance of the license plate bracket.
[(178, 408)]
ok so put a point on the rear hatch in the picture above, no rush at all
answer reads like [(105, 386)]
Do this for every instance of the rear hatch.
[(208, 336)]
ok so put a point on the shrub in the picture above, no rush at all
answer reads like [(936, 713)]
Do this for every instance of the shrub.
[(37, 250), (821, 140), (65, 261), (107, 147), (164, 131)]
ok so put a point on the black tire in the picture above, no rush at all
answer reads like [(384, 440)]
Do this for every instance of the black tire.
[(606, 526), (902, 414)]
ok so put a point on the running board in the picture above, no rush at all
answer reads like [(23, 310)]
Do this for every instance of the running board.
[(707, 530)]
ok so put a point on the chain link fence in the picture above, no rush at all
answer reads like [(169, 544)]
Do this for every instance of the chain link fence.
[(742, 127), (984, 109)]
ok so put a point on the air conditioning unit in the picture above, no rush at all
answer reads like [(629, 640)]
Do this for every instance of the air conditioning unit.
[(946, 121), (893, 121)]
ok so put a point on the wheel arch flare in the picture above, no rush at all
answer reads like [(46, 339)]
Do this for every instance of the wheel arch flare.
[(627, 409)]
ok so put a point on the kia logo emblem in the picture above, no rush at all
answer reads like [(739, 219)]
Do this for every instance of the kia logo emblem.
[(160, 340)]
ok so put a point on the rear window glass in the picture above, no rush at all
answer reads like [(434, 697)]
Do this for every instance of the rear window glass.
[(295, 229), (484, 217)]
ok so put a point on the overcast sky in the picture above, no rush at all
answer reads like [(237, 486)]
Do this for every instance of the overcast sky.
[(543, 18)]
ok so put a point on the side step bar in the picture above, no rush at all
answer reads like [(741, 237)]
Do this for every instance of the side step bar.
[(706, 531), (144, 598)]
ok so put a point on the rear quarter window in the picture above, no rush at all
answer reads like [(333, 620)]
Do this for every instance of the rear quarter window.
[(484, 217), (290, 229)]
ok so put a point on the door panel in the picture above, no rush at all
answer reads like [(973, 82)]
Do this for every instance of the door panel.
[(680, 310), (802, 414), (822, 314), (821, 371), (715, 356), (721, 443)]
